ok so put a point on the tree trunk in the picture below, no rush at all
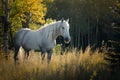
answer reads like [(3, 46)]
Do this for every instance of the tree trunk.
[(96, 34), (6, 26), (1, 36), (88, 32), (26, 24), (11, 38)]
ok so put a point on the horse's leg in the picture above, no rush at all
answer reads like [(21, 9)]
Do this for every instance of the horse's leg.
[(26, 55), (15, 55), (49, 55), (43, 55)]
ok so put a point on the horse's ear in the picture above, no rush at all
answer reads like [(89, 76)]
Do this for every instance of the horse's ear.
[(67, 20), (62, 20)]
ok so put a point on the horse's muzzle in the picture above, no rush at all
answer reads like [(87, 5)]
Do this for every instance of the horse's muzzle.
[(67, 40)]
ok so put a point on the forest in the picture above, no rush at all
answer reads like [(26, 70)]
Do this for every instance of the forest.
[(91, 21), (94, 25)]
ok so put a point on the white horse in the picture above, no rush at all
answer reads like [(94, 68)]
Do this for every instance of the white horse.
[(43, 39)]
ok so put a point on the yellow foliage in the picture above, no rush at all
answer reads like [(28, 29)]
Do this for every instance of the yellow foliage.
[(21, 10)]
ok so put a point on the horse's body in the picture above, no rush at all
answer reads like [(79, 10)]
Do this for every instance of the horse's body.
[(43, 39)]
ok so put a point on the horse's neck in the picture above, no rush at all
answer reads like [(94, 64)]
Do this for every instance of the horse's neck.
[(52, 31), (55, 31)]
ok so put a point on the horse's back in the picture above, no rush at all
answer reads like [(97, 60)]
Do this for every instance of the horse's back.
[(19, 36)]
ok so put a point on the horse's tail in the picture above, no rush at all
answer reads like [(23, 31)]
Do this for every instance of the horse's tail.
[(12, 45), (13, 41)]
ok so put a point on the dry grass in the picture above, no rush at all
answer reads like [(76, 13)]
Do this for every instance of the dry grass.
[(71, 66)]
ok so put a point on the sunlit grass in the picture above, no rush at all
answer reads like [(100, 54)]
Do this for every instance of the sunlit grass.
[(75, 65)]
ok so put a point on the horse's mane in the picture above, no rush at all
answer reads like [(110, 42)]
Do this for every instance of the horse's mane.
[(50, 29), (49, 25)]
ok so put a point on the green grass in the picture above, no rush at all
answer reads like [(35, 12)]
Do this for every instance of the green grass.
[(71, 66)]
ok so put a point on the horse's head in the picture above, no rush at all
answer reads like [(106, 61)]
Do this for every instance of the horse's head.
[(64, 30)]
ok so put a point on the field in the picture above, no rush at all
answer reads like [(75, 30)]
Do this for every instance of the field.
[(75, 65)]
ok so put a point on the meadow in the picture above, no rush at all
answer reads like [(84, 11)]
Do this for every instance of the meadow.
[(74, 65)]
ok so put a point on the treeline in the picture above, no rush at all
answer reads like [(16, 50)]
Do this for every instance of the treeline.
[(91, 21)]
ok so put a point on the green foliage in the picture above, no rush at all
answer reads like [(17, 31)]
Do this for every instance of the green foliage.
[(57, 49), (1, 9), (49, 20)]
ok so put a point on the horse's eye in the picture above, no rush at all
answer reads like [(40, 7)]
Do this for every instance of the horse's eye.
[(62, 27)]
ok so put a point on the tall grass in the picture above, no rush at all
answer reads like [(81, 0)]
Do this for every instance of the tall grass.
[(75, 65)]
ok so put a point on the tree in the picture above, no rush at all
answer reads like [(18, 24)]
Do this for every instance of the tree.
[(24, 12), (5, 22)]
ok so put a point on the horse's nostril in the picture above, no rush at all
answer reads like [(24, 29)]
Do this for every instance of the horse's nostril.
[(66, 39)]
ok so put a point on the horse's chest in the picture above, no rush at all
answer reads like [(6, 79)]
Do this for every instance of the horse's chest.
[(47, 44)]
